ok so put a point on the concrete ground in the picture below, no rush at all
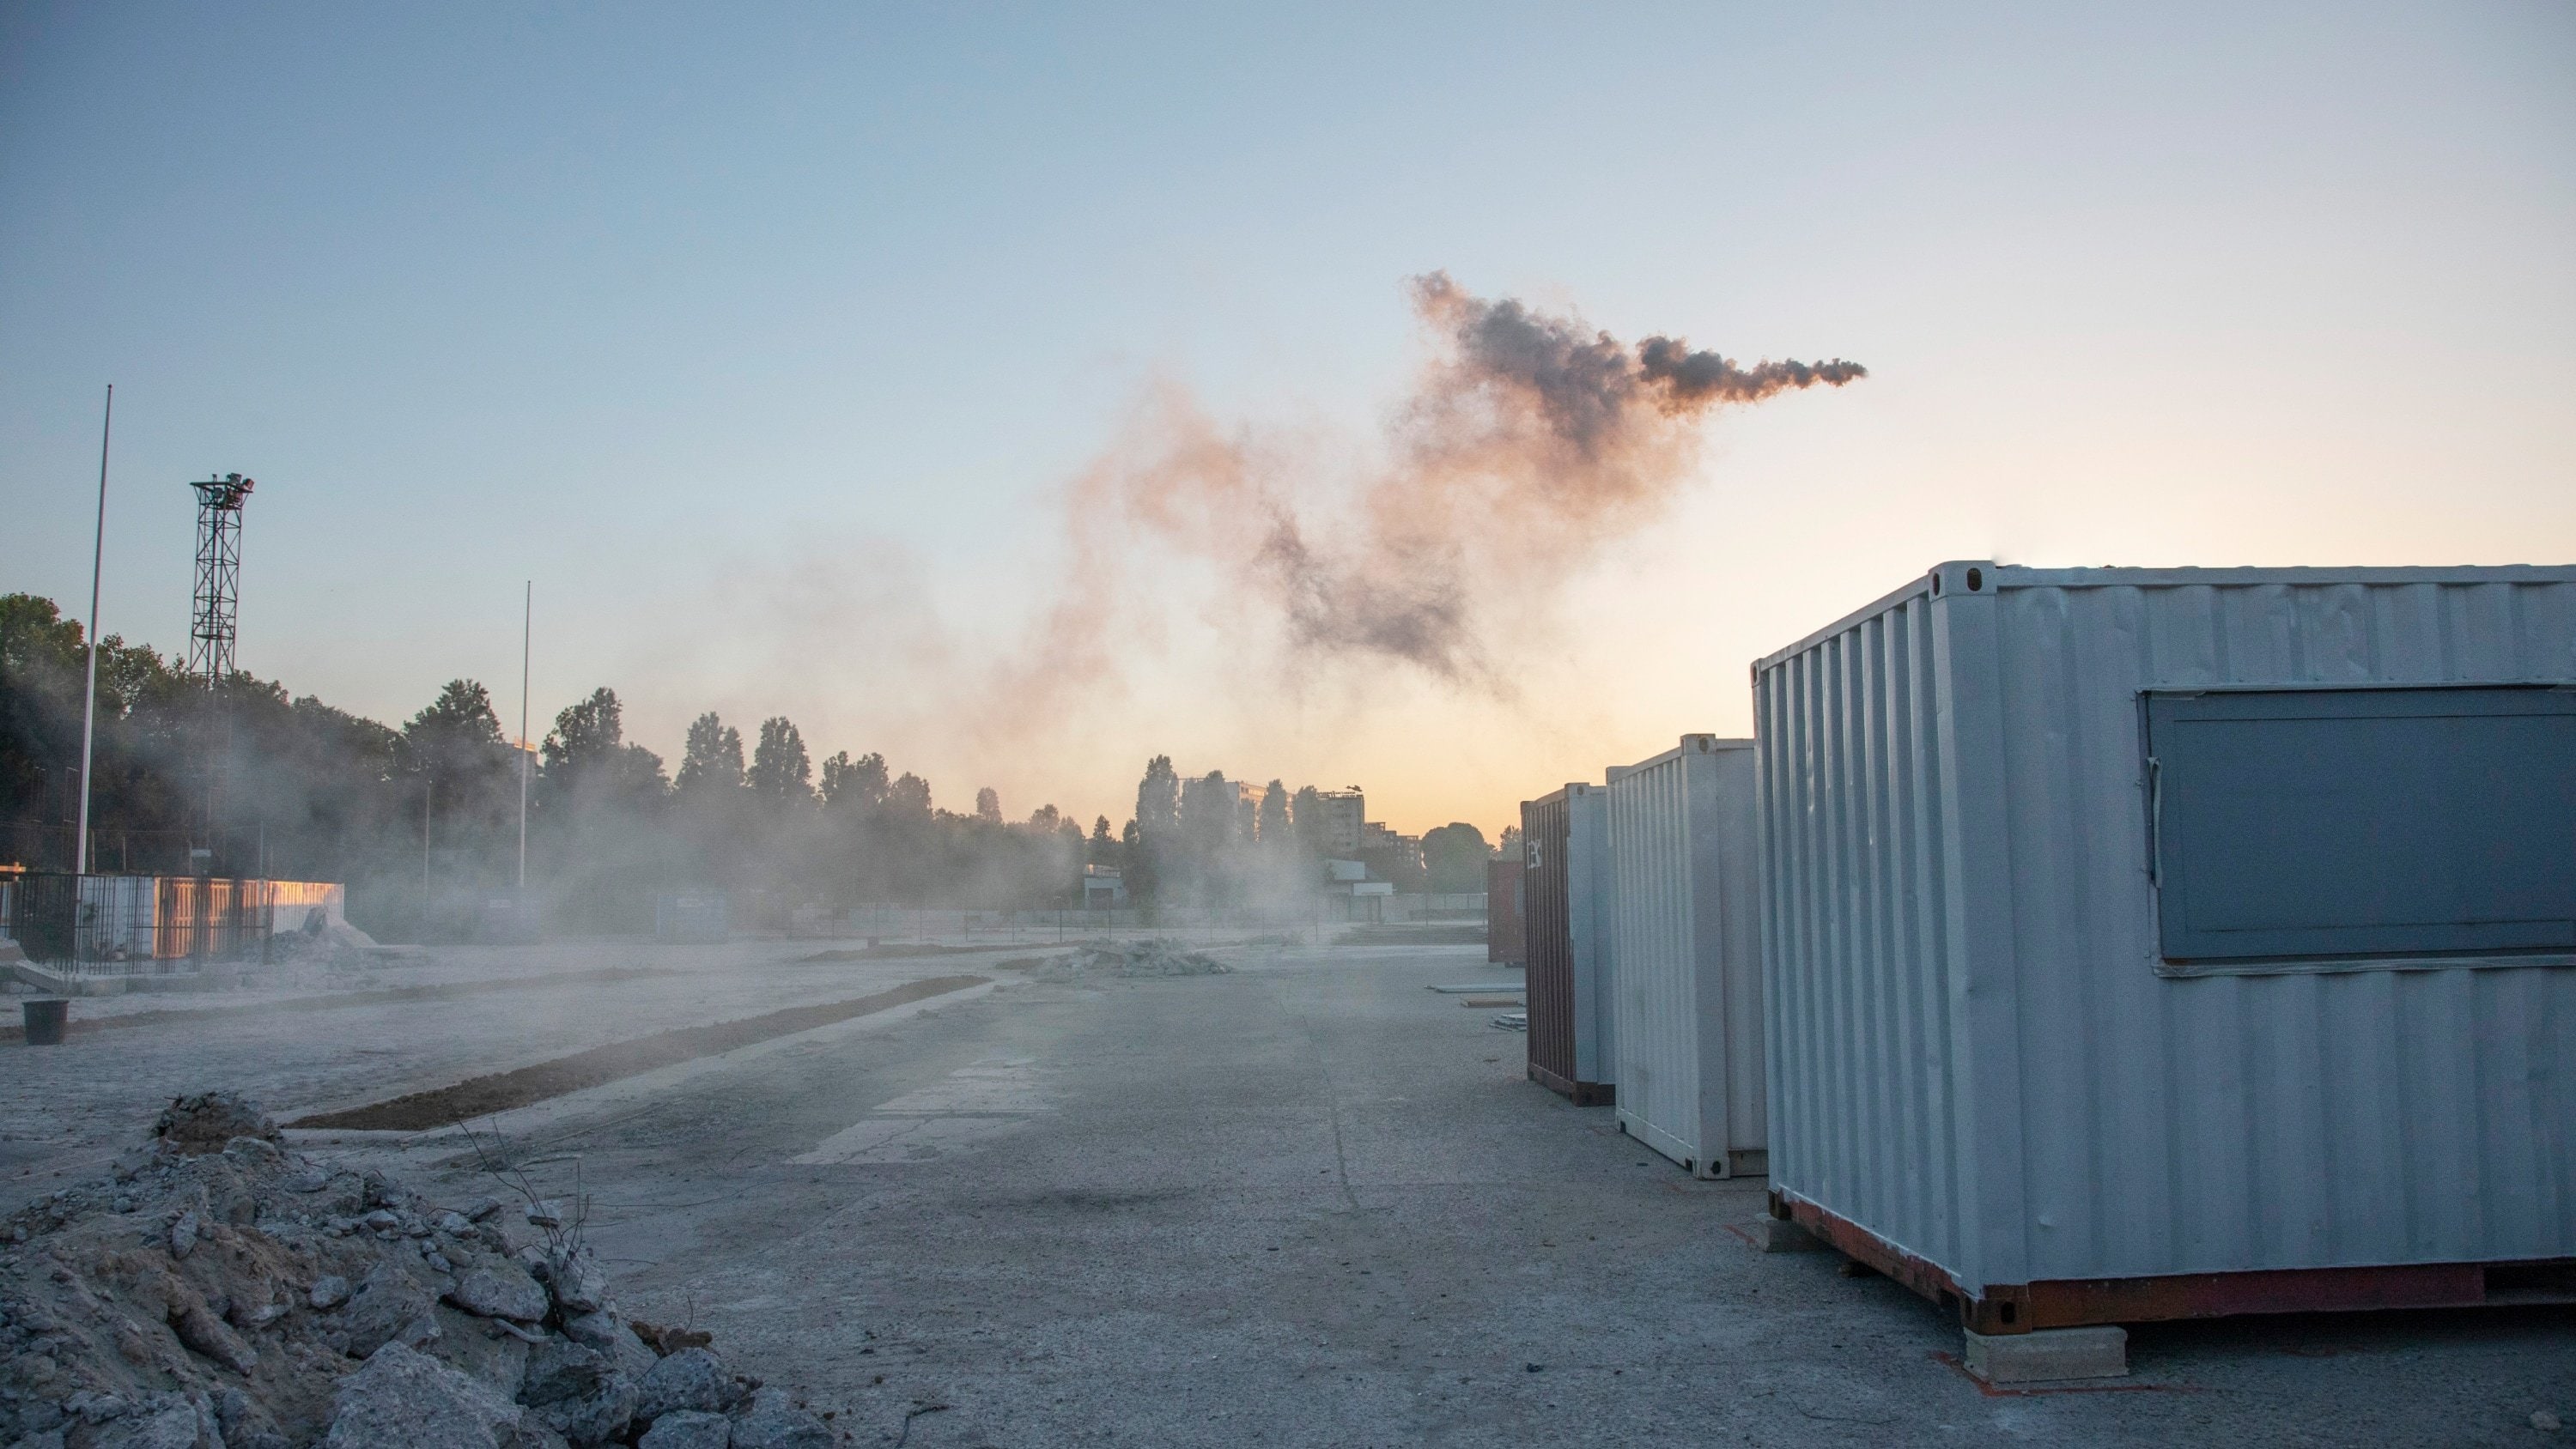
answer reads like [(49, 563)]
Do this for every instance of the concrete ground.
[(1306, 1203)]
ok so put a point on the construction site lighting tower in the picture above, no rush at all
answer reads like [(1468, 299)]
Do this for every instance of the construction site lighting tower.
[(218, 602), (211, 626)]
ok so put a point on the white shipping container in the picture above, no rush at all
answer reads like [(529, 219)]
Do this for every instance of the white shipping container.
[(1686, 933), (2160, 943)]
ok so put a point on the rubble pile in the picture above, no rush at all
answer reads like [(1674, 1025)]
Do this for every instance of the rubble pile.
[(221, 1291), (1151, 957)]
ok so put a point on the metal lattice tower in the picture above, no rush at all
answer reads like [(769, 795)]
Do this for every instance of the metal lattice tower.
[(218, 601), (211, 626)]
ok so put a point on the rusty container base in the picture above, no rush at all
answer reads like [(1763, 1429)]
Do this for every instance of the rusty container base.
[(2082, 1302), (1582, 1094)]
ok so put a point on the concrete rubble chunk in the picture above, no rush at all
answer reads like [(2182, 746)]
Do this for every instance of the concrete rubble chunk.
[(692, 1379), (593, 1330), (209, 1121), (688, 1429), (576, 1282), (408, 1398), (258, 1149), (207, 1335), (385, 1307), (774, 1422), (578, 1392), (328, 1292), (2049, 1354), (634, 1358), (169, 1422), (183, 1235), (499, 1289)]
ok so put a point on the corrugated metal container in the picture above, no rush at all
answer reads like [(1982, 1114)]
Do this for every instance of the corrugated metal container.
[(1503, 912), (1685, 928), (2010, 818), (1565, 877)]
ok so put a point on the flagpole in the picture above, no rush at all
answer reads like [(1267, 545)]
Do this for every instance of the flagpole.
[(527, 629), (89, 701)]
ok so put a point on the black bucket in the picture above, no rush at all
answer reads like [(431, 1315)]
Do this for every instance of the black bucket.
[(46, 1017)]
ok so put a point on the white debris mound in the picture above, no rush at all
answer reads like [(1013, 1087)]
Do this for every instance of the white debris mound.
[(220, 1291), (1151, 957)]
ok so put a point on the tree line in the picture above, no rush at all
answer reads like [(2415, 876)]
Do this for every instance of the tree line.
[(423, 820)]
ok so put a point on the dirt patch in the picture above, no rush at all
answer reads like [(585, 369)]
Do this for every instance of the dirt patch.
[(502, 1091), (1439, 935)]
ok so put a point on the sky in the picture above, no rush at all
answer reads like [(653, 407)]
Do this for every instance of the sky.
[(771, 341)]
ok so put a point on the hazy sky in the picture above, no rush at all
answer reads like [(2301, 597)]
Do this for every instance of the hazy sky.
[(768, 339)]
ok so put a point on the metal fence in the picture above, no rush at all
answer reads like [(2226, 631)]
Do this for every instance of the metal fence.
[(138, 924), (50, 845)]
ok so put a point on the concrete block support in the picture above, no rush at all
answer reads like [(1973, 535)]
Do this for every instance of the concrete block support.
[(2050, 1353), (1778, 1235)]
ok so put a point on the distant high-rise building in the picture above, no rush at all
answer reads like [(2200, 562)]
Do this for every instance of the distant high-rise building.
[(1345, 820)]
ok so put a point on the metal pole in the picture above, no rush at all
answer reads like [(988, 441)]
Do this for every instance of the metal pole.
[(527, 628), (89, 702)]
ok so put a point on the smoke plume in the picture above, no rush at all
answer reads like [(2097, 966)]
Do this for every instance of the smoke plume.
[(1528, 442)]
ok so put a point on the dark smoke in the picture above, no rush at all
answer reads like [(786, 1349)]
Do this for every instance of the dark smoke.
[(1529, 442), (1692, 378)]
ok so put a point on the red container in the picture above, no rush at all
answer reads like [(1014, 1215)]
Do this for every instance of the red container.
[(1563, 1029)]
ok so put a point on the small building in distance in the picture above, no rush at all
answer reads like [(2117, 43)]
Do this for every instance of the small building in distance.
[(1103, 886)]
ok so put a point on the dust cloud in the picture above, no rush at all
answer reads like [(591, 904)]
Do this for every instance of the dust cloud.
[(1527, 443)]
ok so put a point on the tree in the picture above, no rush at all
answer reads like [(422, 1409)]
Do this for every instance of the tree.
[(1208, 812), (1453, 857), (909, 795), (1274, 815), (586, 754), (859, 783), (988, 805), (780, 772), (586, 736), (456, 730), (1104, 846), (1306, 816), (1158, 799), (1141, 873), (712, 757)]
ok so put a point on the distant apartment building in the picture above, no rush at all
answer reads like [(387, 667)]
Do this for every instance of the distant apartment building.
[(1381, 837), (1344, 826)]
